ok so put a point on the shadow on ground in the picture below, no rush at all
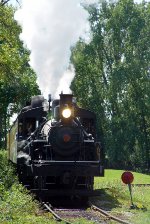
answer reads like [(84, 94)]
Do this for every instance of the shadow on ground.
[(105, 199)]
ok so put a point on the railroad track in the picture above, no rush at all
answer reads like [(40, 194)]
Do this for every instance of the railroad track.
[(55, 215), (106, 214), (91, 213), (140, 185)]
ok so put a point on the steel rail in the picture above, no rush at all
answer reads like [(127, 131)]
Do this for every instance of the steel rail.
[(57, 217), (106, 214), (140, 185), (93, 207)]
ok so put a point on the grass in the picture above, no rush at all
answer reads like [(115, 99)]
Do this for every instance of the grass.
[(116, 198), (17, 206)]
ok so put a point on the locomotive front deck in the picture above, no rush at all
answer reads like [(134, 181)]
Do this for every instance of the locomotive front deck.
[(63, 177), (76, 168)]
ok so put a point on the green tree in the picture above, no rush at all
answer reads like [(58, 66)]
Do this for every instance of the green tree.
[(17, 79), (113, 73)]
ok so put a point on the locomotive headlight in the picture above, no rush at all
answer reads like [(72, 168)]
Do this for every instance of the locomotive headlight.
[(66, 113)]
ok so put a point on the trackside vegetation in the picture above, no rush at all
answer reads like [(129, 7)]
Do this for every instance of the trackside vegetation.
[(17, 78), (113, 80), (17, 205)]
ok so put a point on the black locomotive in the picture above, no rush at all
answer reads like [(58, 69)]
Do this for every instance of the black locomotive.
[(59, 155)]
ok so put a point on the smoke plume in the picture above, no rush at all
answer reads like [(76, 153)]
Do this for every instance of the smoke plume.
[(49, 29)]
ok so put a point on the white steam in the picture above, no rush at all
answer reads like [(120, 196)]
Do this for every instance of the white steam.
[(50, 28)]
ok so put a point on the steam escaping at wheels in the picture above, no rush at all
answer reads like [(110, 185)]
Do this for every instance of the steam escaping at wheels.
[(55, 147)]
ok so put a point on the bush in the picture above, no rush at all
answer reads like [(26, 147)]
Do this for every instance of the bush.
[(16, 203)]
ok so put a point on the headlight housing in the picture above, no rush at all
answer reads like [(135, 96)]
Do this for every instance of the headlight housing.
[(66, 113)]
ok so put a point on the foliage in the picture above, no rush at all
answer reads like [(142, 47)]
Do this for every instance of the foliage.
[(112, 79), (17, 79), (7, 177), (16, 204)]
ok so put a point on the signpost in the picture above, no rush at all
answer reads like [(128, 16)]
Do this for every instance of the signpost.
[(127, 178)]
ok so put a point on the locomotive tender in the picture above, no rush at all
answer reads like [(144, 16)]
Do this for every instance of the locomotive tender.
[(58, 155)]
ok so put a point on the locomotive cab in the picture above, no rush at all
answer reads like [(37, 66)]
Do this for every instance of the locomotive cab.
[(26, 127)]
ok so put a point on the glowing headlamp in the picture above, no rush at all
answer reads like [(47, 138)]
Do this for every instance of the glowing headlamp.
[(66, 113)]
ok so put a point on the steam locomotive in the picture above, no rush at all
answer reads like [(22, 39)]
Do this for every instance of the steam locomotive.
[(55, 148)]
